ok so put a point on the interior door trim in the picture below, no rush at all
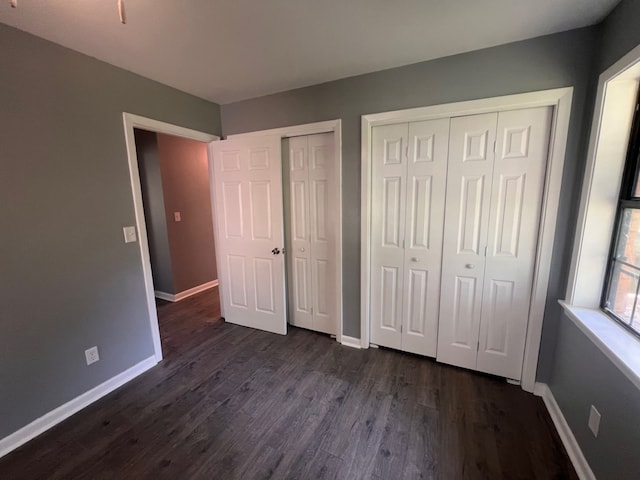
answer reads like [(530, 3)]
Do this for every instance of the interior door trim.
[(329, 126), (560, 99)]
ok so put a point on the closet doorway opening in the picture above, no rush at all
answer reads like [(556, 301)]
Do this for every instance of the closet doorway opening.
[(403, 178), (312, 214)]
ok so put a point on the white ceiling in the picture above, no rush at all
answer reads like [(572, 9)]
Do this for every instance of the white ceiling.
[(228, 50)]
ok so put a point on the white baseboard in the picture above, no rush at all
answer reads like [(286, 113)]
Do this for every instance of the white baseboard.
[(170, 297), (564, 431), (350, 341), (48, 420)]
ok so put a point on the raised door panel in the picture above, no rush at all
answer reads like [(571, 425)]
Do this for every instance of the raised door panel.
[(389, 180), (246, 182), (424, 197), (296, 173), (469, 181), (260, 209), (518, 180)]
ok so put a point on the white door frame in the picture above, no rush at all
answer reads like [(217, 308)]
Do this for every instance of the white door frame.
[(330, 126), (132, 121), (560, 100)]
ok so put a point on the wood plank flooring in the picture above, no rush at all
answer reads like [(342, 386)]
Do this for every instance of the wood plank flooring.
[(229, 402)]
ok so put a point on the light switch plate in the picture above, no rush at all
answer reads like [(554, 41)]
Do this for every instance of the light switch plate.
[(176, 216), (129, 234), (594, 421), (92, 355)]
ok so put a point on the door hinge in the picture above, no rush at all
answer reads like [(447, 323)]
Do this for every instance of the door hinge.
[(406, 152), (485, 251), (494, 146)]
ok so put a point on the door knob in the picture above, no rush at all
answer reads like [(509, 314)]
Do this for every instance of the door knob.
[(415, 259), (469, 265), (275, 251), (302, 249)]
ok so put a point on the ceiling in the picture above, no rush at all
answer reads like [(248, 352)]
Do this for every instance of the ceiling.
[(229, 50)]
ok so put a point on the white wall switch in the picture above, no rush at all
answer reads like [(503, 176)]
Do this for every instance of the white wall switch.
[(594, 421), (129, 234), (176, 216), (91, 354)]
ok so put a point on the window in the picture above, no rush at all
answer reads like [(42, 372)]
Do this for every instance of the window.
[(621, 296)]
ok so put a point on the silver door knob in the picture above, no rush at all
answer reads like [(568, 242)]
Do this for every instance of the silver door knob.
[(415, 259), (302, 249), (469, 265)]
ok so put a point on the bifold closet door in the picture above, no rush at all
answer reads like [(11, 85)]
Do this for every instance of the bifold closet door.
[(491, 231), (522, 149), (408, 189), (312, 195), (469, 177), (425, 196), (388, 183)]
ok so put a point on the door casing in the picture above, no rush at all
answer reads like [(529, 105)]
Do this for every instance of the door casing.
[(560, 99)]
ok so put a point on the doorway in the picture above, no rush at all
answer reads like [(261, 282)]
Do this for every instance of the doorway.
[(328, 146), (559, 100), (179, 134)]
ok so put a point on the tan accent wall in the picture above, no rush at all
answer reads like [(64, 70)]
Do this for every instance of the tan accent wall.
[(185, 185)]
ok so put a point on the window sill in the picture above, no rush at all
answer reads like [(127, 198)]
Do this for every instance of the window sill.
[(620, 346)]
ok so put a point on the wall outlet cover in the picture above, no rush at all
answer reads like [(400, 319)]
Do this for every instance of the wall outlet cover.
[(129, 234), (177, 216), (92, 355), (594, 421)]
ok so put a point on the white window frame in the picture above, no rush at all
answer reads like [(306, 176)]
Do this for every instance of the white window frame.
[(608, 144), (560, 100)]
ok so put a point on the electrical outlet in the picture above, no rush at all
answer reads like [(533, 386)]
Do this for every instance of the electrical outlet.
[(92, 355), (594, 421), (177, 217)]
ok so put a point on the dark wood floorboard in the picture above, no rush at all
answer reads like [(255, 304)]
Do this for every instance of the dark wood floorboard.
[(228, 402)]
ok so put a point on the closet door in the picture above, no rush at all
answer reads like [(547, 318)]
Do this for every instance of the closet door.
[(388, 187), (516, 198), (311, 198), (469, 178), (299, 247), (323, 195), (425, 198)]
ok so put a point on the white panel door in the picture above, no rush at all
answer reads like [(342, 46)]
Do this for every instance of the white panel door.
[(388, 189), (299, 244), (322, 202), (516, 199), (312, 198), (247, 185), (469, 178), (425, 199)]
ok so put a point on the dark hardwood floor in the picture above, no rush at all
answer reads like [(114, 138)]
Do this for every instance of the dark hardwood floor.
[(229, 402)]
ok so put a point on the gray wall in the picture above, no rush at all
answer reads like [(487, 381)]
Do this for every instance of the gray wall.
[(584, 376), (620, 33), (185, 185), (68, 281), (553, 61), (580, 374), (154, 211)]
